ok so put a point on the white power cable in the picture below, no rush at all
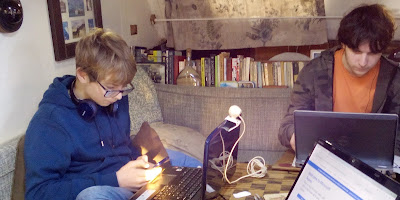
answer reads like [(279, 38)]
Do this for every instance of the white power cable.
[(257, 161)]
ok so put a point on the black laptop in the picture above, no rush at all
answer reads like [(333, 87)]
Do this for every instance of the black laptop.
[(201, 183), (367, 136), (331, 173)]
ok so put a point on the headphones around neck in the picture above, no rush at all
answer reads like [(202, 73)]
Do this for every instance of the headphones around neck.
[(87, 108)]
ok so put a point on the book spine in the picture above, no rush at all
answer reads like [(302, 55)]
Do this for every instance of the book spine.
[(221, 67), (166, 66), (170, 67), (177, 59), (265, 74), (212, 69), (240, 67), (176, 69), (259, 75), (229, 69), (235, 69), (217, 70), (270, 74), (208, 71), (203, 72), (225, 68)]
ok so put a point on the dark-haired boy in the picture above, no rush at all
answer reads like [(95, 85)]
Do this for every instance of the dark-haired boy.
[(354, 77)]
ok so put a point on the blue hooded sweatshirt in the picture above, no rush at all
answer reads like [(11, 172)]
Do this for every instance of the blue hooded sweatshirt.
[(63, 152)]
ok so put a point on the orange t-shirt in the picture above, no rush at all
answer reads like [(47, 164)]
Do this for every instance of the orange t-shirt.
[(352, 93)]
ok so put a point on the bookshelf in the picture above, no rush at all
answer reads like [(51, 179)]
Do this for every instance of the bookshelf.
[(258, 55)]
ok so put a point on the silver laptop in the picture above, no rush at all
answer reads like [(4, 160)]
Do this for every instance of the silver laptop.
[(367, 136), (331, 173)]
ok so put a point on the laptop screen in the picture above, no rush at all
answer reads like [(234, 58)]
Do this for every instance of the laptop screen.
[(367, 136), (331, 174)]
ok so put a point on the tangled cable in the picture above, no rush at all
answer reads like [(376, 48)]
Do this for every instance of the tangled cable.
[(257, 161)]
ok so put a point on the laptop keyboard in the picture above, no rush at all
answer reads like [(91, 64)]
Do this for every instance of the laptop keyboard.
[(185, 186)]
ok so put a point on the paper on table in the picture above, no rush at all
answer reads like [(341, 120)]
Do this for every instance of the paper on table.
[(280, 196)]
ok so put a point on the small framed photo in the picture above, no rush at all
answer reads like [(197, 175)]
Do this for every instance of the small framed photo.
[(315, 53)]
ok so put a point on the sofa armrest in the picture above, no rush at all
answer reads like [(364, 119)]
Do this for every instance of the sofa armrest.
[(7, 165), (203, 108)]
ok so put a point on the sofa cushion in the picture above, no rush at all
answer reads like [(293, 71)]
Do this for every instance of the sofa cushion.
[(179, 138), (143, 102)]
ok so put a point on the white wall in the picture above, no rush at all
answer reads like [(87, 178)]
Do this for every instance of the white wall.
[(118, 15), (27, 67), (27, 61)]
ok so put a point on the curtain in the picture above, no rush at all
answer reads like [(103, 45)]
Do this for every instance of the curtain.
[(258, 23)]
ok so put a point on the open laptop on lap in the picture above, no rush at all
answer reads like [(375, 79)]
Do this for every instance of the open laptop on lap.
[(204, 183), (367, 136), (331, 173)]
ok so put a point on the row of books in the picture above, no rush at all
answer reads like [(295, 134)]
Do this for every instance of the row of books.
[(221, 70)]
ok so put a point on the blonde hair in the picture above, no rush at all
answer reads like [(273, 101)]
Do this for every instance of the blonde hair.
[(105, 55)]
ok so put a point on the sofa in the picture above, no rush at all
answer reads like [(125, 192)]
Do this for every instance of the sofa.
[(182, 116)]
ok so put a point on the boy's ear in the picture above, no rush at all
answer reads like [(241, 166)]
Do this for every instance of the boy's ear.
[(82, 76)]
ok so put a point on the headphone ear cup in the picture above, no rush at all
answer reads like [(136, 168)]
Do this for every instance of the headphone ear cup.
[(113, 108), (87, 109)]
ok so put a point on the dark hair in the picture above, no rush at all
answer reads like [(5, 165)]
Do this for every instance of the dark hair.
[(367, 23), (103, 55)]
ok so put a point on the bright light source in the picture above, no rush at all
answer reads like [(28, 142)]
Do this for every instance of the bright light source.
[(152, 173)]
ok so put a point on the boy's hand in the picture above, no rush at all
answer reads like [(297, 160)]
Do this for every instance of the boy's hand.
[(133, 174), (292, 142)]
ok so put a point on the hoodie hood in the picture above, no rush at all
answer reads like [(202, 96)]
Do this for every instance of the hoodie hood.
[(58, 92)]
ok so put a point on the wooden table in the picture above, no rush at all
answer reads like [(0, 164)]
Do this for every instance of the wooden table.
[(274, 182)]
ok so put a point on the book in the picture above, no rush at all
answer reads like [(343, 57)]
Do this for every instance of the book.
[(202, 72), (212, 70), (253, 72), (235, 69), (270, 69), (229, 69), (276, 73), (290, 74), (207, 67), (259, 75), (169, 67), (246, 69), (216, 77), (176, 70), (240, 61), (265, 74), (222, 65)]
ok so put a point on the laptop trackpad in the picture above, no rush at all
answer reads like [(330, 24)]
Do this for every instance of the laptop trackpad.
[(163, 179)]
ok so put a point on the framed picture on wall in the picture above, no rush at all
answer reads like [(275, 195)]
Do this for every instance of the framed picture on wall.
[(70, 20), (315, 53)]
